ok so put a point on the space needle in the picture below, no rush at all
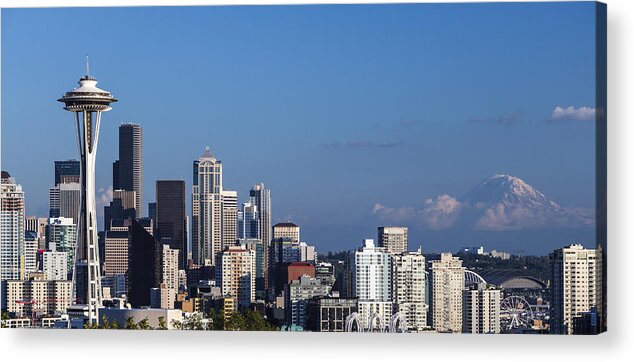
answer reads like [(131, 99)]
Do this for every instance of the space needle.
[(87, 102)]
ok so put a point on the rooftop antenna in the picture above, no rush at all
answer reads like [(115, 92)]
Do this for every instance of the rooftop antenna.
[(87, 66)]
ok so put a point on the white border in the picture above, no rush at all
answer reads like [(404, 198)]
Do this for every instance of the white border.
[(184, 346)]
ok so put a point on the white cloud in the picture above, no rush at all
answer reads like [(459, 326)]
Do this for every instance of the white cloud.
[(441, 212), (500, 217), (436, 213), (573, 114), (103, 197), (400, 214)]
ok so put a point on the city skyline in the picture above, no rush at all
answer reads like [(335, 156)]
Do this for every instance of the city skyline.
[(320, 116)]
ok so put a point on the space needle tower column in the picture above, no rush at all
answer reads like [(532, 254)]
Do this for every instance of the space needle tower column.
[(87, 102)]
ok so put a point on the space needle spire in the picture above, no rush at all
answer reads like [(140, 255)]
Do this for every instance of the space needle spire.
[(87, 102)]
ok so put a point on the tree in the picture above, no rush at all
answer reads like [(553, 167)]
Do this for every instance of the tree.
[(115, 325), (144, 325), (236, 322), (194, 321), (177, 324), (129, 323), (162, 324), (105, 323)]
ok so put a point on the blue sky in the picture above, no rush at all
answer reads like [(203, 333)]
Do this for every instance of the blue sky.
[(335, 108)]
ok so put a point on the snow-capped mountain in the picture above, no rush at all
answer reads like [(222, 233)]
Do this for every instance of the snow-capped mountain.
[(509, 190), (501, 202), (505, 202)]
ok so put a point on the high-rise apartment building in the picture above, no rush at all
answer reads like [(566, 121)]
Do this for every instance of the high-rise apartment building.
[(409, 288), (170, 276), (373, 281), (171, 217), (446, 287), (236, 275), (206, 209), (130, 163), (576, 285), (393, 238), (481, 309), (11, 229)]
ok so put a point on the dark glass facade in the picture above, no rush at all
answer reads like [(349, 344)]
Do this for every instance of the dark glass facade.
[(170, 217), (144, 265), (68, 168)]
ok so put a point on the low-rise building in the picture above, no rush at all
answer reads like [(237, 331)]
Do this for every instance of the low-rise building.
[(328, 314)]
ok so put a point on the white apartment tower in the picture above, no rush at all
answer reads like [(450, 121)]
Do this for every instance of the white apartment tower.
[(373, 282), (393, 238), (481, 309), (12, 248), (170, 268), (576, 288), (447, 285), (409, 288)]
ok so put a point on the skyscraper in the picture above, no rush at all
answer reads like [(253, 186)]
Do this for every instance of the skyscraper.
[(206, 209), (447, 286), (11, 229), (144, 264), (170, 217), (261, 198), (576, 286), (373, 281), (249, 222), (64, 200), (67, 171), (130, 172), (409, 288), (393, 238), (229, 218)]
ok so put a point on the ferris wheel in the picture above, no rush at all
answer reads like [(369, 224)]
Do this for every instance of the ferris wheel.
[(515, 312)]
